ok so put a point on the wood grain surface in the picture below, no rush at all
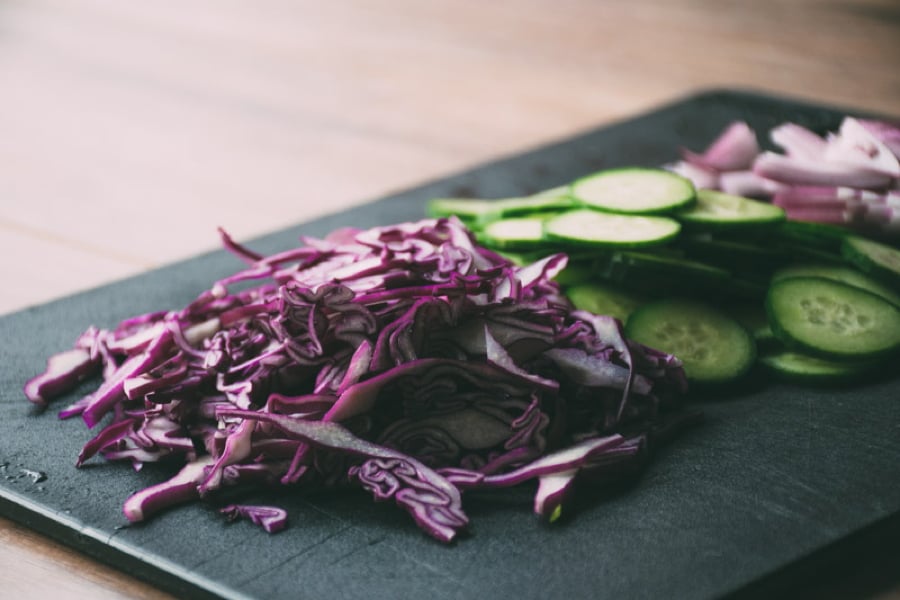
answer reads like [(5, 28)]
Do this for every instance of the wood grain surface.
[(130, 130)]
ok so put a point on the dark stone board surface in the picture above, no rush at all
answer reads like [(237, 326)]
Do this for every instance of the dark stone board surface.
[(778, 482)]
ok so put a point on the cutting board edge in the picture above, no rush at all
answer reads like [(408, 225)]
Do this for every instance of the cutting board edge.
[(72, 533)]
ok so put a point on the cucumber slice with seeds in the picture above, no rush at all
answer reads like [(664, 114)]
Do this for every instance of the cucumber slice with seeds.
[(587, 227), (875, 258), (832, 319), (634, 190), (842, 274), (719, 210), (714, 348)]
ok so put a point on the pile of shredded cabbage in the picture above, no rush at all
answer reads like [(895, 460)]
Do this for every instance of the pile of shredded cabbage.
[(405, 360)]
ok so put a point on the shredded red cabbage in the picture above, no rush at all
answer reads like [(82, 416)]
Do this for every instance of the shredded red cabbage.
[(270, 518), (403, 360)]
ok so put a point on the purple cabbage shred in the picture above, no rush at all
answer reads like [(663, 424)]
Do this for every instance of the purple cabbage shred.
[(271, 518), (404, 360)]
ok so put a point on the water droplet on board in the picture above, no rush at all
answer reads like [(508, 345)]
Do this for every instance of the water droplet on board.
[(34, 476)]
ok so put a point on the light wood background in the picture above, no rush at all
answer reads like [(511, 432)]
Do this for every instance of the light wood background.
[(130, 130)]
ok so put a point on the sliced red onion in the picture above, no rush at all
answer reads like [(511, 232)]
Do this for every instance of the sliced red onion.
[(831, 216), (798, 142), (887, 133), (805, 172), (838, 198), (734, 150), (857, 146), (892, 223), (878, 215), (701, 177), (748, 183)]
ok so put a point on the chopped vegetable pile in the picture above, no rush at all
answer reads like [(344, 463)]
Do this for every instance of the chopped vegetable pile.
[(696, 269), (404, 360), (416, 364)]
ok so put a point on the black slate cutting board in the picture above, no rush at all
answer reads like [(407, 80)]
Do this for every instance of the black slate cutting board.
[(778, 481)]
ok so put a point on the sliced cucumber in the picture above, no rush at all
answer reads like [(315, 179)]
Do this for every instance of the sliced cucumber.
[(634, 190), (516, 233), (530, 206), (556, 192), (520, 259), (732, 255), (832, 319), (468, 210), (719, 210), (801, 252), (661, 274), (576, 273), (804, 368), (819, 236), (480, 212), (602, 299), (714, 348), (875, 258), (587, 227), (842, 274)]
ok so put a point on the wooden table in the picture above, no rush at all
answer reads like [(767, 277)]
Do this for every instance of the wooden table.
[(130, 130)]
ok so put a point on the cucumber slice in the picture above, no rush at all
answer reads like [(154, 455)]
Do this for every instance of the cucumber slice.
[(714, 348), (875, 258), (575, 273), (733, 255), (556, 192), (660, 274), (719, 210), (802, 252), (479, 212), (804, 368), (820, 236), (468, 210), (514, 207), (604, 299), (587, 227), (518, 233), (842, 274), (832, 319), (634, 190)]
